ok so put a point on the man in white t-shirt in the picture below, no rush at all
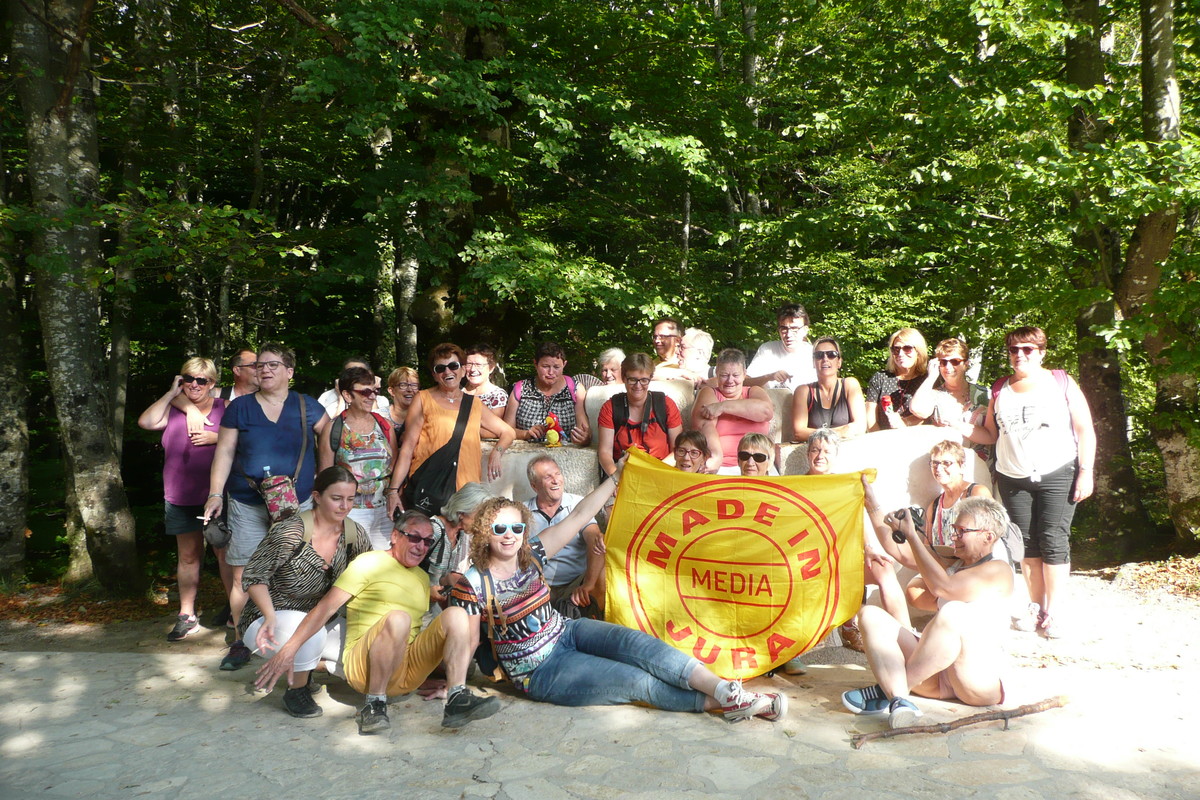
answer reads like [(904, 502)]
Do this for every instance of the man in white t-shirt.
[(787, 363)]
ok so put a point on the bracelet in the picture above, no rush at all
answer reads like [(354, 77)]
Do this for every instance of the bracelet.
[(613, 478), (211, 496)]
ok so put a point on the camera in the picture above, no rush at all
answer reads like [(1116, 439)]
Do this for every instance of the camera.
[(918, 518)]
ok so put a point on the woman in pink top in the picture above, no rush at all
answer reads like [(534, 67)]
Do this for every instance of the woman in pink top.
[(727, 413), (186, 466)]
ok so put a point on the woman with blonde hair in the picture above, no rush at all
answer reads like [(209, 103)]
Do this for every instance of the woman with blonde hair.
[(402, 385), (947, 397), (890, 391), (188, 459)]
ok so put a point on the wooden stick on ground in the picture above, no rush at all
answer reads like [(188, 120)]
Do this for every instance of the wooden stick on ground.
[(859, 739)]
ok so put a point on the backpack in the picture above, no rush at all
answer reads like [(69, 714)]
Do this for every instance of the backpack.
[(657, 415), (339, 424)]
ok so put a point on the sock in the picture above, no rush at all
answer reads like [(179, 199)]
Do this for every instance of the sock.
[(453, 690), (380, 697), (725, 691)]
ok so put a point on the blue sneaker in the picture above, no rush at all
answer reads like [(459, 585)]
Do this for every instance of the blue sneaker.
[(795, 667), (869, 700), (902, 713)]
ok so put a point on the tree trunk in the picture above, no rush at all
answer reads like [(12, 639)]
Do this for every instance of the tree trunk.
[(1097, 264), (14, 430), (60, 117)]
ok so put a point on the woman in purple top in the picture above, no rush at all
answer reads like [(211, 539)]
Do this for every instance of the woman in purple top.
[(185, 475)]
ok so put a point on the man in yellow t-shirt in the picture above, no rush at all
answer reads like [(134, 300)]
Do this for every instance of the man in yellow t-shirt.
[(386, 651)]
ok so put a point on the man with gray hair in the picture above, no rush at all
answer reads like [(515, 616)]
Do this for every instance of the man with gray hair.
[(576, 572), (958, 656), (386, 651)]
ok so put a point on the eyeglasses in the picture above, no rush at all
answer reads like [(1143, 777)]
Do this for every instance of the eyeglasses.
[(746, 455), (471, 365), (658, 336), (416, 538), (501, 528), (1027, 349), (907, 349), (243, 366), (452, 366), (786, 329), (365, 392), (196, 380), (952, 362), (643, 382), (820, 355), (269, 366), (407, 387), (959, 531), (945, 464), (685, 453)]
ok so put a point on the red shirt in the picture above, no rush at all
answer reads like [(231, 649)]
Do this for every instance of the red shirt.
[(655, 441)]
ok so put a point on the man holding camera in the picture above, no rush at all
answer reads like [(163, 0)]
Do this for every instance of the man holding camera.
[(958, 654)]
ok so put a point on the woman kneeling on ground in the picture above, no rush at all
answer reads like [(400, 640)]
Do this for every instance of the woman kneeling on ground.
[(580, 662), (289, 573)]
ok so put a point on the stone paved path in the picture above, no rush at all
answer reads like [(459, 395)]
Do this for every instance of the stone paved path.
[(162, 721)]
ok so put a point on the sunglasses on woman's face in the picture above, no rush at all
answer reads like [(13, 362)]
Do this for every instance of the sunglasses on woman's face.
[(501, 528), (820, 355), (452, 366), (196, 380), (1027, 349), (365, 392), (746, 455), (951, 362), (907, 349)]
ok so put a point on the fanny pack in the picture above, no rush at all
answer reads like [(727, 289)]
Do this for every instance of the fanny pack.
[(279, 491)]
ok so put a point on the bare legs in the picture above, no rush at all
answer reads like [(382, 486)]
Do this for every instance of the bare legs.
[(190, 549)]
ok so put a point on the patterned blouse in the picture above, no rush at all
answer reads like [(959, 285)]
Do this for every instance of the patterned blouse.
[(533, 407), (529, 626), (294, 573)]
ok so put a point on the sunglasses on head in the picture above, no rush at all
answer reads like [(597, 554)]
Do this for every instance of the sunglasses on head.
[(440, 368), (746, 455), (501, 528), (196, 380), (907, 349), (953, 362), (819, 355), (417, 538), (1027, 349)]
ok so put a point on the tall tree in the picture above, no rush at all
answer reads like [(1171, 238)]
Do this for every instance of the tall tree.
[(50, 47)]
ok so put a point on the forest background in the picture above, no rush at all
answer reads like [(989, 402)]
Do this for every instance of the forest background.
[(187, 176)]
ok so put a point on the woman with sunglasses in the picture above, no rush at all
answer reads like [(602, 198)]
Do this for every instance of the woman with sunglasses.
[(636, 417), (948, 398), (831, 401), (1045, 451), (691, 452), (579, 662), (403, 385), (188, 459), (906, 367), (292, 569), (432, 434), (363, 441), (731, 410), (756, 455)]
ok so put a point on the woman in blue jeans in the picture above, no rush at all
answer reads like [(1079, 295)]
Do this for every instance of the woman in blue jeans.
[(580, 662)]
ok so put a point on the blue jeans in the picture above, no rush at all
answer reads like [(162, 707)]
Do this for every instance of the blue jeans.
[(598, 663)]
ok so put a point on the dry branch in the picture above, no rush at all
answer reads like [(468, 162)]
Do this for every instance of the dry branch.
[(859, 739)]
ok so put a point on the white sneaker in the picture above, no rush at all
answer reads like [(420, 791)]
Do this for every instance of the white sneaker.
[(742, 704), (1029, 620)]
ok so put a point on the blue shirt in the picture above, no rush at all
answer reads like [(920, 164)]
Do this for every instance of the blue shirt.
[(264, 444), (571, 561)]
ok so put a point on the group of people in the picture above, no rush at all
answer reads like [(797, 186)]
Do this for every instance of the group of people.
[(395, 522)]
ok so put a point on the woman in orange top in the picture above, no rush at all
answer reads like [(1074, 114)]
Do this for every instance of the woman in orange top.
[(429, 431)]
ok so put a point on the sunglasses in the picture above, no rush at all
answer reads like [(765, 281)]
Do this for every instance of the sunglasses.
[(501, 528), (1027, 349), (440, 368), (952, 362), (746, 455), (907, 349), (959, 531), (365, 392), (416, 538), (820, 355), (196, 380), (638, 381), (685, 453)]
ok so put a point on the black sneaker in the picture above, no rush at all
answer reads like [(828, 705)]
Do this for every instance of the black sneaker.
[(299, 703), (464, 707), (237, 657), (372, 718), (184, 627)]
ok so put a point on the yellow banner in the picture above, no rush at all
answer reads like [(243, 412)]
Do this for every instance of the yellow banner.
[(742, 573)]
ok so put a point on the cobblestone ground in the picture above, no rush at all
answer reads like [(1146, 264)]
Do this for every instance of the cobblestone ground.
[(90, 713)]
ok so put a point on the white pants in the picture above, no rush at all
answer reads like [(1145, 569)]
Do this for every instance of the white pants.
[(377, 524), (324, 645)]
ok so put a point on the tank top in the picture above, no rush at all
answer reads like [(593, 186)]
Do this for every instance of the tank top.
[(1036, 436), (837, 415)]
